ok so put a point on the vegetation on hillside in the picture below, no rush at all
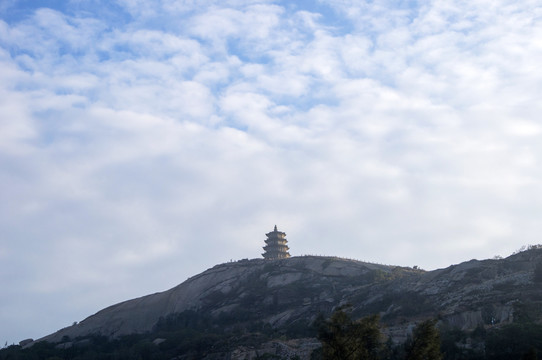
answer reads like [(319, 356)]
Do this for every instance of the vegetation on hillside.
[(191, 335)]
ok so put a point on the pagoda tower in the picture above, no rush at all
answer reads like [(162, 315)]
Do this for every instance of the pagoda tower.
[(276, 245)]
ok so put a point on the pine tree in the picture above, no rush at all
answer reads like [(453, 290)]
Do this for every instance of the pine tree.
[(345, 339), (425, 342), (530, 355)]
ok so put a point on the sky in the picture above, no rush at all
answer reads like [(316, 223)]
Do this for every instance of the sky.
[(142, 142)]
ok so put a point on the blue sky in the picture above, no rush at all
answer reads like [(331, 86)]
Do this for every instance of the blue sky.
[(144, 142)]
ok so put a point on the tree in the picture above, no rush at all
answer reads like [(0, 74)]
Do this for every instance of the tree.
[(530, 355), (342, 338), (425, 342), (537, 276)]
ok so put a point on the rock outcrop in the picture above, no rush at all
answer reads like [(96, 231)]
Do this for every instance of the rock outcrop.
[(291, 292)]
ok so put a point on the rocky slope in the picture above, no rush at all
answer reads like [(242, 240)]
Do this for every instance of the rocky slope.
[(290, 293)]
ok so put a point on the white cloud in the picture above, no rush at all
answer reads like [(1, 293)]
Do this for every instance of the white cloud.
[(16, 125), (220, 24), (130, 143)]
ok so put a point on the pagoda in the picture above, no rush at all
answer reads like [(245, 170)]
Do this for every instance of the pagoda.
[(276, 245)]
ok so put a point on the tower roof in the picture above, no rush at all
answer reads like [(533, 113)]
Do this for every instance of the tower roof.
[(275, 232)]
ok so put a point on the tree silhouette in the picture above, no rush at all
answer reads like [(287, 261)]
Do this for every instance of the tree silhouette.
[(425, 342), (345, 339), (530, 355)]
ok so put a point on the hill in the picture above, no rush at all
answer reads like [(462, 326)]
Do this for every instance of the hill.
[(280, 293), (283, 298)]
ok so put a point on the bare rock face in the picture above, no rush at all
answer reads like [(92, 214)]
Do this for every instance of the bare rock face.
[(24, 343), (230, 287), (291, 292)]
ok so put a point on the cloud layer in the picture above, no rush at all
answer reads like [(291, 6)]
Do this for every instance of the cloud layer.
[(140, 145)]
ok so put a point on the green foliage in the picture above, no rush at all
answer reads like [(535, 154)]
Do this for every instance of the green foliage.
[(406, 304), (425, 342), (530, 355), (195, 335), (450, 339), (527, 311), (537, 276), (343, 338), (513, 341)]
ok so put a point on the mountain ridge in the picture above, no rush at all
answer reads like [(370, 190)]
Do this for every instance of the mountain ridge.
[(190, 293), (289, 294)]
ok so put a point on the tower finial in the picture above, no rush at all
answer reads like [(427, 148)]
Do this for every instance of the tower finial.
[(275, 227)]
